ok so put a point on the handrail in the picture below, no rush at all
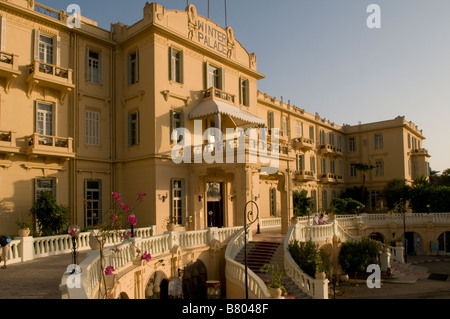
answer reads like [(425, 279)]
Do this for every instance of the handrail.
[(235, 272), (315, 288)]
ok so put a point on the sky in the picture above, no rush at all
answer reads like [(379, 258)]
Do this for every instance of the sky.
[(322, 56)]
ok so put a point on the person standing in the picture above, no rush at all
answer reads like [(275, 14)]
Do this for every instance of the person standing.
[(5, 243)]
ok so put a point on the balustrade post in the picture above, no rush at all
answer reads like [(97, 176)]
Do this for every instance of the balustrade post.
[(26, 248), (321, 289), (174, 238), (213, 233)]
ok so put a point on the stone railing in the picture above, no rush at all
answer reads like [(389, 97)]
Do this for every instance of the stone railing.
[(270, 222), (28, 248), (125, 255), (235, 272), (386, 219), (316, 288)]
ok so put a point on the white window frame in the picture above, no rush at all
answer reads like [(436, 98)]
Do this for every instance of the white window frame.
[(214, 77), (244, 92), (88, 196), (176, 123), (300, 161), (176, 62), (38, 189), (178, 203), (378, 141), (94, 66), (92, 128), (42, 116), (133, 66)]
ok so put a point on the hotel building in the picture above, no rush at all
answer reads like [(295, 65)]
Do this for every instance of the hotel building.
[(86, 111)]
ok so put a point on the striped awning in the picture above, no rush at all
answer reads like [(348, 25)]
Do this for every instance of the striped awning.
[(239, 116)]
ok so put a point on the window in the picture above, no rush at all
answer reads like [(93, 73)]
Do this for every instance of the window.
[(341, 142), (44, 122), (273, 202), (176, 121), (300, 162), (42, 185), (177, 200), (378, 141), (332, 167), (324, 200), (214, 76), (133, 67), (332, 139), (311, 133), (313, 164), (322, 137), (323, 166), (352, 170), (379, 168), (93, 198), (270, 120), (314, 200), (133, 128), (92, 128), (351, 144), (244, 92), (46, 50), (409, 141), (175, 65), (284, 126), (94, 62), (298, 129)]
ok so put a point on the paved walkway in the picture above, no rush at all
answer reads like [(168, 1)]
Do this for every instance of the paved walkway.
[(35, 279)]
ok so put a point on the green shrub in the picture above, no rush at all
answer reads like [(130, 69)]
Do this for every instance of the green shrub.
[(51, 218), (307, 256), (355, 257)]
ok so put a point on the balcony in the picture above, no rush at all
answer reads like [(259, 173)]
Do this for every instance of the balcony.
[(216, 93), (8, 144), (339, 179), (50, 76), (419, 152), (338, 151), (327, 178), (9, 69), (304, 176), (39, 145), (326, 149), (303, 143)]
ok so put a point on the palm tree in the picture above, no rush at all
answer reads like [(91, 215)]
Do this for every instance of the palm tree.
[(363, 168)]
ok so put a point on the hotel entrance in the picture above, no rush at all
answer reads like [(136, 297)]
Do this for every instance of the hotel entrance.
[(214, 198)]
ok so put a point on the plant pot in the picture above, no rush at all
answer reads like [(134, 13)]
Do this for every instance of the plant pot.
[(399, 244), (321, 275), (275, 292), (23, 232), (95, 242), (171, 227), (294, 220), (343, 278)]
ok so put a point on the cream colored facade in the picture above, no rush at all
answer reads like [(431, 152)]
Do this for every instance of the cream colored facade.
[(85, 112)]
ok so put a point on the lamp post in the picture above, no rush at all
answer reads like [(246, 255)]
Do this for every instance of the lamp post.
[(210, 213), (74, 231), (357, 212), (251, 218)]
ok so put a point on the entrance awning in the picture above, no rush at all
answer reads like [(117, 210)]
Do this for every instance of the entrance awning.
[(241, 118)]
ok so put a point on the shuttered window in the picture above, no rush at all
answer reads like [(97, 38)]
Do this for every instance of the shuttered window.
[(133, 67), (175, 65), (273, 201), (244, 92), (300, 162), (133, 128), (299, 129), (93, 128), (214, 77), (178, 200)]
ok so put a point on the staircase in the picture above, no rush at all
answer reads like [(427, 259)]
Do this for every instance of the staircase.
[(269, 252)]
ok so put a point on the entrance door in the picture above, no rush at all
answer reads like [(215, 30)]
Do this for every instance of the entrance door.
[(214, 197)]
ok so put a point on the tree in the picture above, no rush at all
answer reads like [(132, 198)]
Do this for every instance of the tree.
[(355, 193), (444, 178), (344, 205), (301, 203), (51, 218), (363, 168), (394, 191)]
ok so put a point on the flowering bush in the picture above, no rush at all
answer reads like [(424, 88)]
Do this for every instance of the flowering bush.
[(109, 270), (146, 256)]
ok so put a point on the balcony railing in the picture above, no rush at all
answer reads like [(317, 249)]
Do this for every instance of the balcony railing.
[(419, 152), (303, 143), (326, 149), (9, 68), (8, 143), (47, 145), (338, 151), (304, 176), (216, 93), (50, 69), (328, 178)]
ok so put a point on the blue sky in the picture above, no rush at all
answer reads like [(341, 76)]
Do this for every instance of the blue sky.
[(320, 55)]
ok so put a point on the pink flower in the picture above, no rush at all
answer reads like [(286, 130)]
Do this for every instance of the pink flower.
[(146, 256), (126, 208), (141, 196), (116, 196), (132, 219), (109, 270), (121, 205)]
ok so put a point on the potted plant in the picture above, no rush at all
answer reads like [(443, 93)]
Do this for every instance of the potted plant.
[(24, 229), (171, 223), (274, 285)]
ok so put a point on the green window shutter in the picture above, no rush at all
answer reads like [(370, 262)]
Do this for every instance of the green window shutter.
[(37, 35)]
